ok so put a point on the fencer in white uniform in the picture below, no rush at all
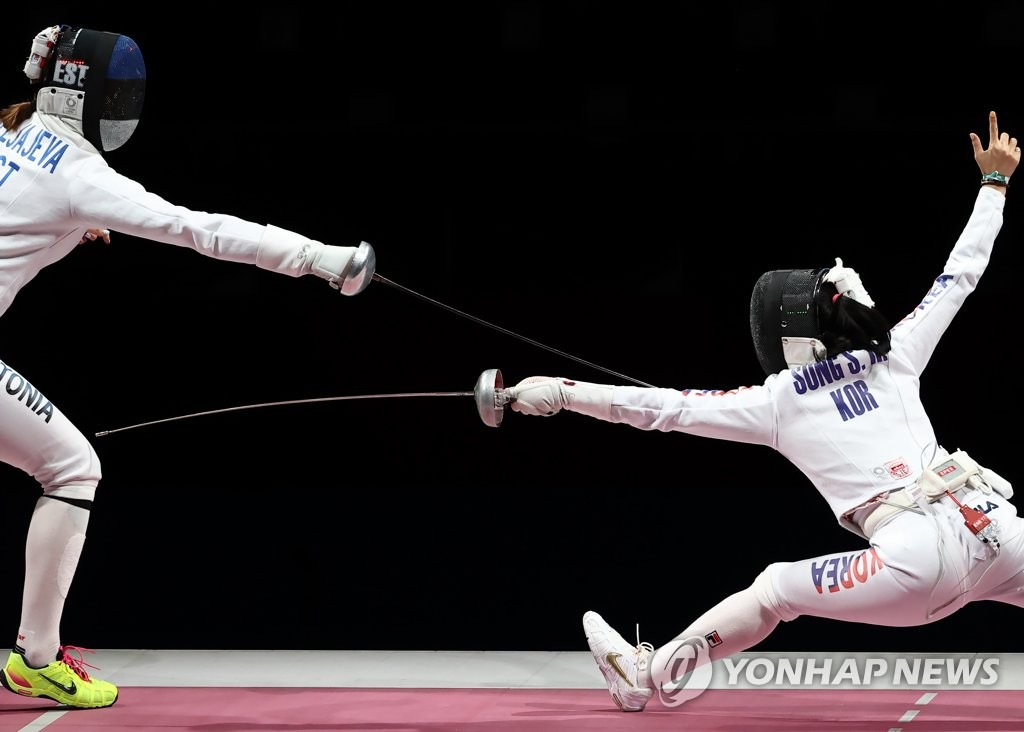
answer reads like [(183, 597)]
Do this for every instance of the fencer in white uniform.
[(57, 190), (842, 402)]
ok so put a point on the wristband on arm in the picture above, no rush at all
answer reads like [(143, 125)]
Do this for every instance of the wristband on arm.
[(995, 178)]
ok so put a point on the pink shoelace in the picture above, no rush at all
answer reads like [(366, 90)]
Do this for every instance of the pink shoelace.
[(77, 663)]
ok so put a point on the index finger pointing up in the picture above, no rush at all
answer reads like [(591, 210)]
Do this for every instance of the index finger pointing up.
[(993, 128)]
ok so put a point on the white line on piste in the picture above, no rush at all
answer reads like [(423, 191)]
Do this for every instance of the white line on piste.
[(44, 720), (911, 713)]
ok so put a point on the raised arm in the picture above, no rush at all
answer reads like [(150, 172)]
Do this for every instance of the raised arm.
[(917, 335)]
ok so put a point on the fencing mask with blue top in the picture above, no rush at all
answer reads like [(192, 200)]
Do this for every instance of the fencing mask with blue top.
[(93, 80)]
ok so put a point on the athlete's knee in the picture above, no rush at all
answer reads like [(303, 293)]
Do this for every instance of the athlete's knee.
[(766, 585), (74, 474)]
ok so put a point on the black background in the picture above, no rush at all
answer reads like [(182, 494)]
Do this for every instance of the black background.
[(607, 179)]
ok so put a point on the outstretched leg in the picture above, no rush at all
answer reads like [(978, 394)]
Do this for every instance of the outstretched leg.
[(916, 572)]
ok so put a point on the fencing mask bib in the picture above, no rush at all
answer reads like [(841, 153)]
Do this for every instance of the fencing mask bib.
[(93, 79)]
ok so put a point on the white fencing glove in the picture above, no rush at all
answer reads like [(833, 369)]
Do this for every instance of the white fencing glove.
[(347, 269), (545, 396)]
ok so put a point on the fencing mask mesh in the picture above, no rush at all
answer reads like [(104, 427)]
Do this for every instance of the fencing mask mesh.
[(95, 80), (784, 319)]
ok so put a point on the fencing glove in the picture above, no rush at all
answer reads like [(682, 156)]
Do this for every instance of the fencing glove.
[(545, 396)]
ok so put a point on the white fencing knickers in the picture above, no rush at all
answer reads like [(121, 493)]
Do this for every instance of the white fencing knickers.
[(919, 568), (37, 438)]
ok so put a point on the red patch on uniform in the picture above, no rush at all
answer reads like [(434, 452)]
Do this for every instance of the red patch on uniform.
[(899, 469)]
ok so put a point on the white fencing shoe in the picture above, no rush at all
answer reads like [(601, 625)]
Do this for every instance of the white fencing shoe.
[(621, 663)]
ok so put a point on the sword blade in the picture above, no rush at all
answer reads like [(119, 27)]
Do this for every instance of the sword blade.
[(400, 395), (506, 331)]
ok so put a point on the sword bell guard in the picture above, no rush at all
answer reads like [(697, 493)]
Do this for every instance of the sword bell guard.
[(489, 393)]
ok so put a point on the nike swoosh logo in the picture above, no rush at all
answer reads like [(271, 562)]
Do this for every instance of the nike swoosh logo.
[(74, 689), (613, 660)]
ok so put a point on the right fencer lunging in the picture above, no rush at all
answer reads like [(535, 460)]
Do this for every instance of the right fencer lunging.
[(842, 402)]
